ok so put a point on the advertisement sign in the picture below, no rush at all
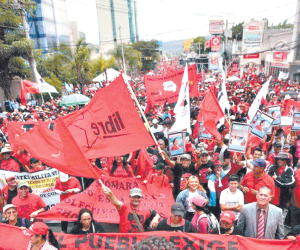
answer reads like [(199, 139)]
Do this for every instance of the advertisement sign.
[(296, 122), (239, 135), (213, 61), (187, 45), (252, 41), (215, 44), (216, 26), (280, 56)]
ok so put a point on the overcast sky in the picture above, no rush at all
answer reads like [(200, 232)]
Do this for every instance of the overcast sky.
[(167, 20)]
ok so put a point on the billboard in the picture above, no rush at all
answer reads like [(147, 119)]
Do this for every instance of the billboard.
[(216, 27), (215, 44), (252, 40), (187, 45), (213, 61), (280, 56)]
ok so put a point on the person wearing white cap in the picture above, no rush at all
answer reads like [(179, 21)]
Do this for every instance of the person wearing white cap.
[(132, 217), (9, 162), (10, 190), (11, 214), (156, 127), (66, 186)]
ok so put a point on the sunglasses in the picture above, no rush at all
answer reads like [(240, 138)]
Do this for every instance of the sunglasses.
[(281, 159), (5, 153), (204, 155)]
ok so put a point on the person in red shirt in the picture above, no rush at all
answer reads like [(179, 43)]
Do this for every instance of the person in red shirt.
[(158, 178), (36, 165), (66, 186), (277, 149), (10, 190), (132, 211), (29, 205), (121, 168), (9, 162), (23, 157), (256, 179)]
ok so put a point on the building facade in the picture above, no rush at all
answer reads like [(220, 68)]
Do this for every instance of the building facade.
[(49, 25)]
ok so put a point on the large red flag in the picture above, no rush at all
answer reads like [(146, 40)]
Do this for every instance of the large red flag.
[(162, 88), (16, 129), (210, 113), (30, 87), (144, 164), (93, 198), (288, 107), (110, 124)]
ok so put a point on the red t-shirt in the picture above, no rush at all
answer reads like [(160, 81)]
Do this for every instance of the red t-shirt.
[(203, 223), (127, 221), (10, 165), (160, 181), (29, 205), (63, 186), (121, 172), (255, 183), (23, 158)]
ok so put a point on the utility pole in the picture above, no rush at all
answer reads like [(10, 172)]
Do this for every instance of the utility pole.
[(124, 67), (20, 6), (226, 40)]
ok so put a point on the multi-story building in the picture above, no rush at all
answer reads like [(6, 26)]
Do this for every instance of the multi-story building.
[(49, 25)]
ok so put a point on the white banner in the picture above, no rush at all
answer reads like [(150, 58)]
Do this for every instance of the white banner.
[(42, 183)]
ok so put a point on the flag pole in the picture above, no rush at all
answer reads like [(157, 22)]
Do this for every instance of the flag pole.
[(140, 109)]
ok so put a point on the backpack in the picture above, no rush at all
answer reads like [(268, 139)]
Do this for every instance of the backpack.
[(213, 224)]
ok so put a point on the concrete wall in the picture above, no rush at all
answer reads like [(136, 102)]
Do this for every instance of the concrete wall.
[(15, 90)]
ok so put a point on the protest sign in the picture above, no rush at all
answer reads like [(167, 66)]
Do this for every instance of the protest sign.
[(162, 88), (114, 241), (238, 137), (103, 210), (176, 143), (204, 134), (262, 125), (296, 122), (275, 112), (42, 183), (214, 59), (256, 116)]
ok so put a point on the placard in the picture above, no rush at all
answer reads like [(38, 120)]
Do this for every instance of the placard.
[(239, 135), (203, 133), (275, 112), (296, 122), (177, 143), (256, 116), (262, 125)]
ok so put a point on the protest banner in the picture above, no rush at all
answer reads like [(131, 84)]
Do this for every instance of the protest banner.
[(296, 122), (162, 88), (239, 134), (262, 125), (94, 199), (42, 183), (114, 241), (275, 112)]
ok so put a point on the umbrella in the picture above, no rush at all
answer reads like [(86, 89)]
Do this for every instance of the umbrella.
[(74, 99), (233, 79), (210, 80)]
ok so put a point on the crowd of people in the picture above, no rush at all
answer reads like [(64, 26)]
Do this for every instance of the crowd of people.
[(215, 190)]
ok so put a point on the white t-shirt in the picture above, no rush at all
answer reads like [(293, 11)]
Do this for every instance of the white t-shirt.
[(191, 196), (158, 129), (228, 198)]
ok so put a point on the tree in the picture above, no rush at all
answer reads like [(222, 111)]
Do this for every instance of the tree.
[(99, 65), (14, 48), (237, 31), (199, 40)]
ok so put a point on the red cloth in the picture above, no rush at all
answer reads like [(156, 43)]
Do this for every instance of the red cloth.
[(29, 205), (144, 164), (160, 181), (10, 165), (121, 172), (127, 221), (210, 113), (23, 158), (203, 224), (255, 183), (63, 186)]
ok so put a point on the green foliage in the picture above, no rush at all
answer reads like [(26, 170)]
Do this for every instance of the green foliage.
[(196, 41), (99, 65), (14, 48), (237, 31)]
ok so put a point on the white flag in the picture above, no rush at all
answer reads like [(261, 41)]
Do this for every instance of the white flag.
[(222, 96), (283, 75), (182, 108), (257, 101), (44, 86)]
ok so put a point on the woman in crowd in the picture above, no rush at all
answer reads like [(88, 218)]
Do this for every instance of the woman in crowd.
[(193, 188), (121, 168), (86, 224), (38, 237)]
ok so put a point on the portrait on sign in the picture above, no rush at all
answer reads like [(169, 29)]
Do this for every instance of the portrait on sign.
[(176, 143), (239, 135)]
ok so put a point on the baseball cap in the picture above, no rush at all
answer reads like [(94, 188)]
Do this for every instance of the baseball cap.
[(63, 177), (185, 156), (204, 152), (22, 184), (260, 163), (9, 176), (286, 146), (228, 216), (160, 166), (5, 150), (136, 191), (199, 200), (178, 209), (282, 155), (154, 121), (8, 207), (37, 228), (33, 160), (277, 144)]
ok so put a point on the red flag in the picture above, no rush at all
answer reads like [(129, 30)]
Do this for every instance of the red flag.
[(210, 113), (162, 88), (23, 94), (94, 199), (30, 87), (144, 164), (288, 106), (74, 157), (16, 129), (110, 124)]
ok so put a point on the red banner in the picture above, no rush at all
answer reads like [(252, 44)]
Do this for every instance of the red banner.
[(251, 56), (114, 241), (280, 56), (110, 124), (160, 199), (14, 129), (162, 88)]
